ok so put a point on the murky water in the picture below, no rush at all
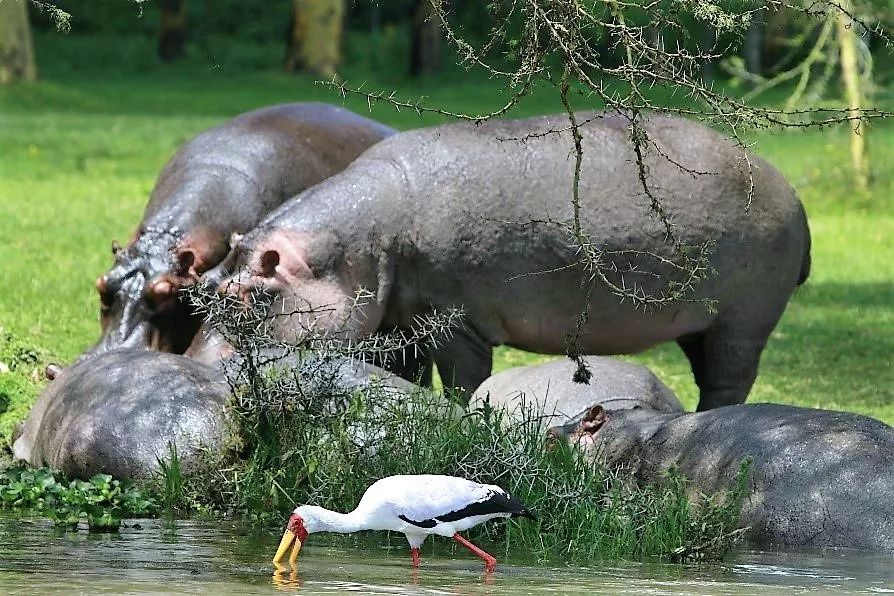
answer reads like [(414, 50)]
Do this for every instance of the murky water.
[(155, 557)]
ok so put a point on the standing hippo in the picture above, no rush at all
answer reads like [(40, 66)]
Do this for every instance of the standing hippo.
[(221, 182), (464, 214)]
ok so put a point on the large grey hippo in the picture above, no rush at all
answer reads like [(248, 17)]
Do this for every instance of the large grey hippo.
[(820, 478), (462, 214), (221, 182)]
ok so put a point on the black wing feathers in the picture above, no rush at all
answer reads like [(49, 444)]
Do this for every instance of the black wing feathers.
[(496, 502), (426, 523)]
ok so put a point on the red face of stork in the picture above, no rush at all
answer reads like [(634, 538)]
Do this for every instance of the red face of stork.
[(295, 533)]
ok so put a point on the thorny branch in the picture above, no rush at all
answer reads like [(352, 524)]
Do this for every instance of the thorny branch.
[(271, 370)]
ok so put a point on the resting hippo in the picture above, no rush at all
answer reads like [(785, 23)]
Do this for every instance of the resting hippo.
[(463, 215), (820, 478), (221, 182), (118, 411), (550, 389)]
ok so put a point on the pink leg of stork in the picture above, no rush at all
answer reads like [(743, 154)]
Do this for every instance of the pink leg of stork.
[(414, 552), (490, 563)]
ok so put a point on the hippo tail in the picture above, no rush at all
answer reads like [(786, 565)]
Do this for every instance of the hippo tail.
[(805, 258)]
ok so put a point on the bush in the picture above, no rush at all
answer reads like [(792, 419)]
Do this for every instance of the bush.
[(297, 436)]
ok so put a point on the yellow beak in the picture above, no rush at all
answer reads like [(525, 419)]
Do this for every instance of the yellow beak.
[(284, 544)]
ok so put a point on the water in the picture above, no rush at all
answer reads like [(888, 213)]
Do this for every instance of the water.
[(156, 557)]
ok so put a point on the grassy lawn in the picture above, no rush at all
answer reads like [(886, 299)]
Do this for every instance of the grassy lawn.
[(80, 152)]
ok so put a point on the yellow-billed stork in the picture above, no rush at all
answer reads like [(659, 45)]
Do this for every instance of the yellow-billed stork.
[(417, 505)]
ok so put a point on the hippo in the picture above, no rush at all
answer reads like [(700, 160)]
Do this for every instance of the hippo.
[(121, 410), (819, 477), (475, 215), (220, 183), (550, 388)]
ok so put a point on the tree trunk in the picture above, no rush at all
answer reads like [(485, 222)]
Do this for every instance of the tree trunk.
[(314, 42), (754, 45), (16, 48), (172, 30), (850, 74), (425, 49)]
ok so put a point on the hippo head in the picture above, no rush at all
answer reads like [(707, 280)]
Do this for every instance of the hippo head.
[(139, 302), (311, 286)]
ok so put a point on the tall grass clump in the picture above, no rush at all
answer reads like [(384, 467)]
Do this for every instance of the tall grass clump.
[(298, 434)]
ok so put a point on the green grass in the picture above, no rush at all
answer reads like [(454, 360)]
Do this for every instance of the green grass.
[(81, 149)]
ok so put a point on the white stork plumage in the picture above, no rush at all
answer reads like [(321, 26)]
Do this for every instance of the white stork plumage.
[(417, 505)]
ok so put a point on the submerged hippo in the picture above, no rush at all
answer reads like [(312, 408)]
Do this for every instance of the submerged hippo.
[(119, 411), (549, 388), (463, 214), (221, 182)]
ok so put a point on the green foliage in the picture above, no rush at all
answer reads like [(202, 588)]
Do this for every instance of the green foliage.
[(19, 367), (171, 480), (103, 501), (281, 457)]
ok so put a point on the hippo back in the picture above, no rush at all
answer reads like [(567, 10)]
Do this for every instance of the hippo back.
[(615, 385), (820, 478), (122, 410)]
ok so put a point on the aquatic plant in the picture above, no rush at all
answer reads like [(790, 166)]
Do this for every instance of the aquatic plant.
[(102, 501)]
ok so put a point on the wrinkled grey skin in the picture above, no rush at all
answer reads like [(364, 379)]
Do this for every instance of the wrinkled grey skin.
[(548, 388), (221, 182), (118, 411), (440, 217), (820, 478)]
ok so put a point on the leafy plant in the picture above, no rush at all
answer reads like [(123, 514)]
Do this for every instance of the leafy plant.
[(299, 435), (103, 500)]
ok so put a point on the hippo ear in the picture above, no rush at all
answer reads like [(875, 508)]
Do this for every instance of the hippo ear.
[(235, 239), (102, 286), (186, 259), (269, 261), (593, 420)]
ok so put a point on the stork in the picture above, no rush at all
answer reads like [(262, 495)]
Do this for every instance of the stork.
[(417, 505)]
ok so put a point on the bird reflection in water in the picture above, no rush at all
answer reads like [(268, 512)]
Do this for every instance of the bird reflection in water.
[(286, 579)]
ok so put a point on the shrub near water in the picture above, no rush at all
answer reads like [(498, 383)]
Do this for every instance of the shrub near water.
[(297, 435), (289, 455)]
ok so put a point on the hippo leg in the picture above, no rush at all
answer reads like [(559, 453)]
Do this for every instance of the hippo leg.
[(413, 364), (724, 364), (465, 361)]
